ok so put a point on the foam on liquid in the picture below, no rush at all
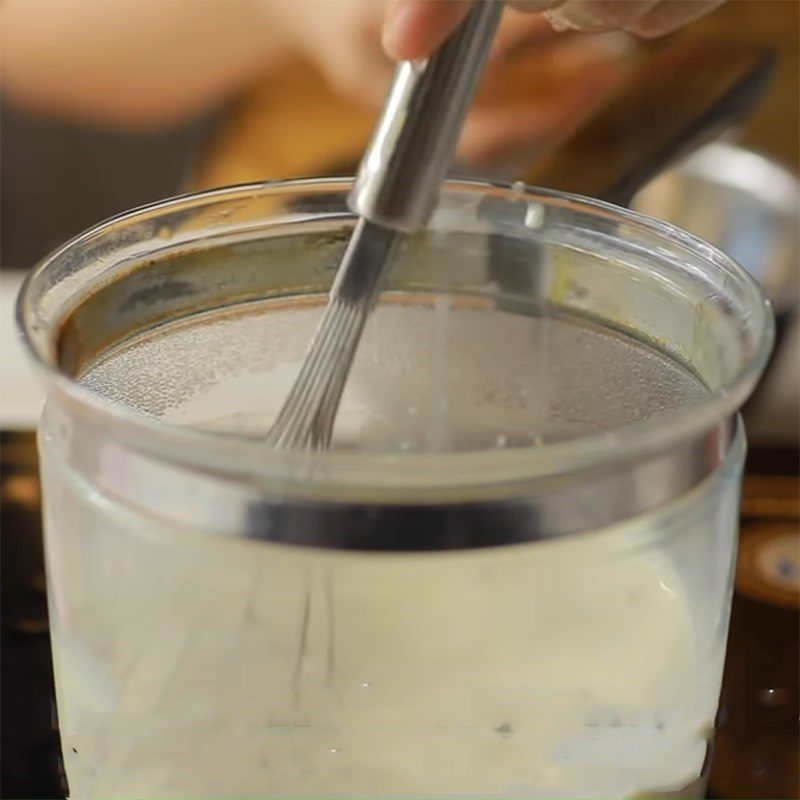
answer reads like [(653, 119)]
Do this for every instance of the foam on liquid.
[(481, 373)]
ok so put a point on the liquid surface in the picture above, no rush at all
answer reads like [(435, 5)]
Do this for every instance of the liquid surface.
[(441, 377)]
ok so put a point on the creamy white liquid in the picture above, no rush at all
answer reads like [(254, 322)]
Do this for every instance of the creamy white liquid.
[(558, 669), (191, 665)]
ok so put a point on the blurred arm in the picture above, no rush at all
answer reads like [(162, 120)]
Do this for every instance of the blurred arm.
[(134, 63)]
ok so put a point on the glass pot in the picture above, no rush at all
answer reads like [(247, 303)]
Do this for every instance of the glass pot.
[(510, 576)]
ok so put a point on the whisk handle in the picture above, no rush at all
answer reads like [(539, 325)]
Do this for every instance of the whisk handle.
[(402, 170)]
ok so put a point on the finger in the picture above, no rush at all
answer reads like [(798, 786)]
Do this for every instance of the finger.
[(670, 15), (413, 29), (598, 15), (518, 30)]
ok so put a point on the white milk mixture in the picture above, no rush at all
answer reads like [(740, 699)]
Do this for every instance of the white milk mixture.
[(197, 666)]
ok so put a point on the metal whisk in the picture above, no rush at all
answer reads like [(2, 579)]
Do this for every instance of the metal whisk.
[(395, 192)]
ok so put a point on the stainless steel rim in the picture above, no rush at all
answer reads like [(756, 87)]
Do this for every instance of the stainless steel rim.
[(586, 501)]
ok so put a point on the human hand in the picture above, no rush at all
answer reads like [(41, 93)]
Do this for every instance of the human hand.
[(538, 85), (415, 28)]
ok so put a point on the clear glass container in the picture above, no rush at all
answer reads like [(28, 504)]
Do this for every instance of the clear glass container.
[(510, 576)]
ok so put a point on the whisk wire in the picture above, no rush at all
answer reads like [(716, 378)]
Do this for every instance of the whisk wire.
[(307, 417)]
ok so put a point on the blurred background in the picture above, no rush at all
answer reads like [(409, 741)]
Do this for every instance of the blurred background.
[(106, 106)]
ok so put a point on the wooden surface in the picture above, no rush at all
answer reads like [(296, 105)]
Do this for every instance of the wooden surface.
[(757, 748), (291, 124)]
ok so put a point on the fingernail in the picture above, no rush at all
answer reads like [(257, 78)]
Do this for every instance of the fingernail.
[(581, 15), (559, 20)]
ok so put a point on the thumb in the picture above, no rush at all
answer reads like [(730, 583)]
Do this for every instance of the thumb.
[(413, 29)]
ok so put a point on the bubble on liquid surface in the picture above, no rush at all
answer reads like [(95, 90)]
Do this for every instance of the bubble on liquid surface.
[(478, 378)]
